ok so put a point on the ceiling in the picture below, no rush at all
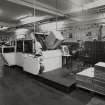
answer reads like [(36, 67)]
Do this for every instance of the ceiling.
[(11, 11), (65, 5)]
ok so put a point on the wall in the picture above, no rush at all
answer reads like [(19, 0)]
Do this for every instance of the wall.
[(4, 36), (81, 31), (73, 32)]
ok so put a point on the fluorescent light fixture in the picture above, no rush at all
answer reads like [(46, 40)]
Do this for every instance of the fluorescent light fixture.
[(21, 17), (33, 19), (3, 28), (28, 19)]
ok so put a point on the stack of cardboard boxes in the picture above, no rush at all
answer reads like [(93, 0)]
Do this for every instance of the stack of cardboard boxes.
[(99, 79), (93, 78), (85, 79)]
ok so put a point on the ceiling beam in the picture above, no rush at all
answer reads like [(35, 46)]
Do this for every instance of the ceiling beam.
[(39, 6), (95, 4)]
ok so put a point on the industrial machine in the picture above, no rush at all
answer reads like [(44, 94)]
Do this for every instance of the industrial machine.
[(23, 55)]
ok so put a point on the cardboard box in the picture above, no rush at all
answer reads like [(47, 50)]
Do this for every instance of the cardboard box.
[(100, 71), (88, 86), (100, 66), (85, 78), (99, 82)]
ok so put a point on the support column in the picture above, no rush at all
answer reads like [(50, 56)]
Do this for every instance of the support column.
[(100, 33)]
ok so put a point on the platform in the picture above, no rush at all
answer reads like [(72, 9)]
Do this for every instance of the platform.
[(58, 79)]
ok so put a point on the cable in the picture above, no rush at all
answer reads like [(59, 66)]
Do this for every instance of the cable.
[(56, 13), (34, 14)]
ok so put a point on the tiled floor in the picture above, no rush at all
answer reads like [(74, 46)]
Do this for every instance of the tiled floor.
[(18, 88)]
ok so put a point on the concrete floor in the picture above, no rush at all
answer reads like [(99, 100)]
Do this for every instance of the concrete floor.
[(18, 88)]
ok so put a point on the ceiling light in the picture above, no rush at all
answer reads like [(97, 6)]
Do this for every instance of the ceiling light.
[(32, 19), (3, 28), (21, 17), (28, 19)]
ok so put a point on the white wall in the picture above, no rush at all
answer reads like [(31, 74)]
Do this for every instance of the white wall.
[(80, 32)]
